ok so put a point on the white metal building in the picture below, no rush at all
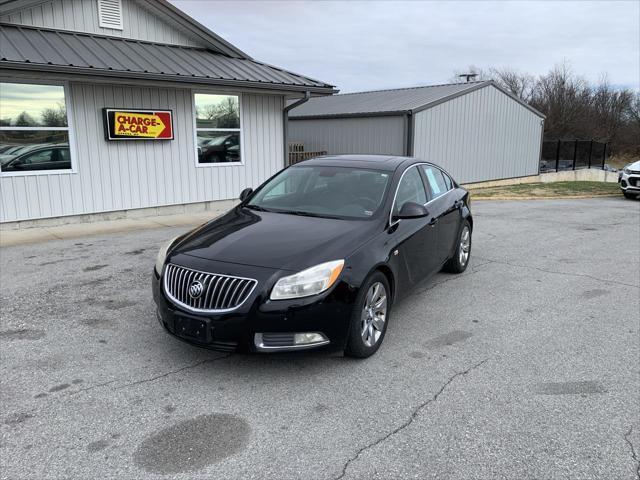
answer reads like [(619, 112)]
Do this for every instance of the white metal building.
[(477, 131), (112, 105)]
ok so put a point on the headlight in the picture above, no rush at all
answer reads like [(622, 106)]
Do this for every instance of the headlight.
[(626, 170), (308, 282), (162, 254)]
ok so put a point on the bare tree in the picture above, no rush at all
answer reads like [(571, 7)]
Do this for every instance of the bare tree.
[(522, 85), (564, 98), (221, 115), (25, 120), (54, 117)]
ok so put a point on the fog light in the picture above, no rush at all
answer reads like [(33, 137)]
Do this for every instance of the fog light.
[(307, 338)]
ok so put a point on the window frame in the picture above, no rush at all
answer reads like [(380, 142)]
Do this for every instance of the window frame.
[(68, 104), (240, 130), (428, 185), (427, 191)]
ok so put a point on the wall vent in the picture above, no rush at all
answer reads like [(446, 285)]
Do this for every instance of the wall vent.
[(110, 14)]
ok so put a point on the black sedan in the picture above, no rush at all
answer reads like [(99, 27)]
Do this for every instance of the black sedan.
[(316, 256), (36, 157)]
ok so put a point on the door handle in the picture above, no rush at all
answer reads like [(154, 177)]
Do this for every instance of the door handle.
[(433, 221), (458, 204)]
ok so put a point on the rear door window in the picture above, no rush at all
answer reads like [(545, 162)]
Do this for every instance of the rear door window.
[(435, 180)]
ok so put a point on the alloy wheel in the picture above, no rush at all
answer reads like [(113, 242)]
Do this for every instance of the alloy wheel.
[(374, 314), (465, 246)]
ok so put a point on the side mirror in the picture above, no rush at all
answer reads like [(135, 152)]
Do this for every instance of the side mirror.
[(412, 210), (245, 193)]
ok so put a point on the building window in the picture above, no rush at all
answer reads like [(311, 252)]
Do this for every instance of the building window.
[(218, 128), (34, 131)]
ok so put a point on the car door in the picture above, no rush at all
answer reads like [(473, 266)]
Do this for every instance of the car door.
[(416, 239), (38, 160), (63, 159), (445, 206)]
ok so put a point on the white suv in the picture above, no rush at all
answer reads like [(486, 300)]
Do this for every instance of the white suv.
[(629, 180)]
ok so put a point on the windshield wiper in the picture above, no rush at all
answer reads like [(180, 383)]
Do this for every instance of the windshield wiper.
[(302, 213), (258, 208)]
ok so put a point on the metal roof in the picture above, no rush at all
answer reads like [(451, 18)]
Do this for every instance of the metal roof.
[(161, 9), (387, 102), (44, 49)]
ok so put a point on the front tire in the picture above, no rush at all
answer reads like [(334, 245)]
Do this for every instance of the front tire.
[(458, 263), (370, 317)]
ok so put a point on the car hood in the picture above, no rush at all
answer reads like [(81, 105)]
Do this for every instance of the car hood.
[(635, 166), (275, 240)]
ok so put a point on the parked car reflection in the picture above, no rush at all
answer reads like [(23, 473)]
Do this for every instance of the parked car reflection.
[(36, 157), (221, 148)]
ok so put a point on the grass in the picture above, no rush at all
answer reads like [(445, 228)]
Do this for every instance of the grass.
[(547, 190)]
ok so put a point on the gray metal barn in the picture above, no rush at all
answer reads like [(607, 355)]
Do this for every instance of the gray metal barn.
[(477, 131)]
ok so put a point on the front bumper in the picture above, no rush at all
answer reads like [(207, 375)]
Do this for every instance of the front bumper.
[(630, 182), (327, 314)]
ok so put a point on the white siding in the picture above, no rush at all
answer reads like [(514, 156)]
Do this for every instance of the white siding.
[(483, 135), (128, 174), (82, 16), (367, 135)]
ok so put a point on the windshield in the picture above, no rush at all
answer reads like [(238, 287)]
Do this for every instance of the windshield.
[(324, 191)]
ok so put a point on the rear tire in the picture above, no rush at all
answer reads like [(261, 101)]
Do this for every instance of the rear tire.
[(458, 263), (370, 317)]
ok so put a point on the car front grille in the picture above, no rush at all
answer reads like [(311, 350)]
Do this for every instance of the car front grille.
[(206, 292)]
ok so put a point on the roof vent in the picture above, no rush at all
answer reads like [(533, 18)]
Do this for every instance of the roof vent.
[(110, 14)]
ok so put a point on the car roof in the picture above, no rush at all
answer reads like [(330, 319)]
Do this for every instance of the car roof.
[(376, 162)]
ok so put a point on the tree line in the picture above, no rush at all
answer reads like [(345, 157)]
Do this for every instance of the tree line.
[(49, 117), (574, 107)]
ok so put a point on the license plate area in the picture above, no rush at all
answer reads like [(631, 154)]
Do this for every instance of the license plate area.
[(192, 328)]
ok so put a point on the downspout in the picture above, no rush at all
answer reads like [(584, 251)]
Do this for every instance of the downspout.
[(285, 123), (408, 133)]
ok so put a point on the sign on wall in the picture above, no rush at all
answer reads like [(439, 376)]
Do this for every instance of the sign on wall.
[(122, 124)]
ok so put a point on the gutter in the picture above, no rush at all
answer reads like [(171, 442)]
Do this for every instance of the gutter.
[(182, 79), (408, 134), (285, 124)]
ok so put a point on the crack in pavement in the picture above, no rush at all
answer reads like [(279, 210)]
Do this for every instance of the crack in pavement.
[(633, 451), (58, 398), (172, 372), (411, 418), (489, 260), (98, 385)]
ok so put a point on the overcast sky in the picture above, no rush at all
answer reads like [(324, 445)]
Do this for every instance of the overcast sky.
[(359, 45)]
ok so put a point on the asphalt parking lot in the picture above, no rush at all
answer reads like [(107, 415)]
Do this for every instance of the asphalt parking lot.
[(526, 366)]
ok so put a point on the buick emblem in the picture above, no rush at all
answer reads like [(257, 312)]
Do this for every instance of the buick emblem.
[(196, 289)]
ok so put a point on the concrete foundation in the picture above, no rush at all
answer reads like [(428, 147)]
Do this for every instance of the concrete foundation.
[(215, 207), (583, 175)]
